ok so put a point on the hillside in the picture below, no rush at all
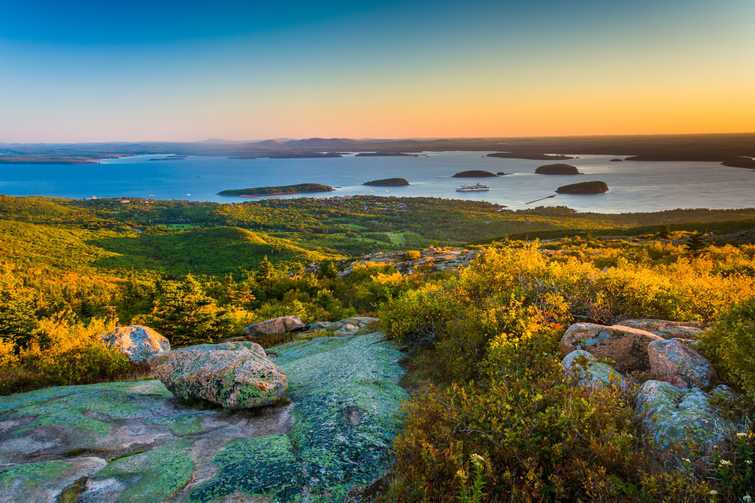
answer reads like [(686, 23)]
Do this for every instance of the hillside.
[(493, 383)]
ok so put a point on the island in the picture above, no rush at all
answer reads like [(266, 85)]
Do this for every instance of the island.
[(557, 169), (384, 154), (582, 188), (617, 159), (388, 182), (474, 173), (535, 156), (173, 157), (289, 155), (282, 190)]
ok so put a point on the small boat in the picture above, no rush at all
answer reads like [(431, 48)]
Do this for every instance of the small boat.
[(478, 187)]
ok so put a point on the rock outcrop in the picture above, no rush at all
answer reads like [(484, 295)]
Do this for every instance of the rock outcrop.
[(234, 375), (681, 419), (665, 328), (591, 372), (672, 361), (435, 259), (137, 342), (557, 169), (330, 441), (275, 326), (676, 414), (348, 326), (624, 345)]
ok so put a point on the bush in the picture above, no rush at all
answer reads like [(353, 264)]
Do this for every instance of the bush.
[(524, 432), (502, 422), (73, 354), (730, 344)]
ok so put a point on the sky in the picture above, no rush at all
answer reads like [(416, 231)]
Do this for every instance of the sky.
[(165, 70)]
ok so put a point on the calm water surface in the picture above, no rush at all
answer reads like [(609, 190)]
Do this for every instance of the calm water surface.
[(634, 186)]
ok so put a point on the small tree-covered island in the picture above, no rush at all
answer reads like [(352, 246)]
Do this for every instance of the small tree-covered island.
[(282, 190)]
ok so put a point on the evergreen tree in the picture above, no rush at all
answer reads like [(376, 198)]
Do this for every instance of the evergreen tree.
[(18, 323), (696, 243), (186, 315)]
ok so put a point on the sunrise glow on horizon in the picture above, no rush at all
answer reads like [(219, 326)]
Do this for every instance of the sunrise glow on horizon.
[(241, 70)]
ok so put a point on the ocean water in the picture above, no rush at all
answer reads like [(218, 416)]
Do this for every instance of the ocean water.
[(634, 185)]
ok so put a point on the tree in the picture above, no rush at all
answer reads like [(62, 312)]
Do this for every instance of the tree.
[(18, 323), (696, 243), (186, 315)]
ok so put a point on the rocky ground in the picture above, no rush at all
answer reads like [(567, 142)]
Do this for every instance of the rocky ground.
[(678, 400), (132, 441), (434, 259)]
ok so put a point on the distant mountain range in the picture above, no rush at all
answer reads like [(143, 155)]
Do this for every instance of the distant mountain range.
[(727, 148)]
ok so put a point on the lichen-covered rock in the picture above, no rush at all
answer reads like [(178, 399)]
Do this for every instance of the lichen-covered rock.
[(680, 419), (665, 328), (137, 342), (672, 361), (44, 481), (348, 326), (234, 375), (332, 440), (591, 372), (275, 326), (624, 345)]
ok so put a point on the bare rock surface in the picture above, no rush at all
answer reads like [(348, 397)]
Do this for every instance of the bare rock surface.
[(673, 361), (138, 342)]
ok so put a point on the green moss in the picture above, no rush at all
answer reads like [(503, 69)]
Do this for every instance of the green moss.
[(32, 475), (155, 475), (257, 466)]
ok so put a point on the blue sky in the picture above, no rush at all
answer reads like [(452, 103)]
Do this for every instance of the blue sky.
[(86, 70)]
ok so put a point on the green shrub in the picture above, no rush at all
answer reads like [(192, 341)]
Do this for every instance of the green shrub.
[(730, 344), (74, 354)]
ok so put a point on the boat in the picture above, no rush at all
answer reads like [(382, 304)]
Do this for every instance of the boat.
[(478, 187)]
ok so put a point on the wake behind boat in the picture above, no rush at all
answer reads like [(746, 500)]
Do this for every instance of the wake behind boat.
[(478, 187)]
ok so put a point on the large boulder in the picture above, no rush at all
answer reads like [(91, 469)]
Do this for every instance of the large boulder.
[(590, 372), (681, 419), (672, 361), (234, 375), (665, 328), (624, 345), (275, 326), (138, 342)]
